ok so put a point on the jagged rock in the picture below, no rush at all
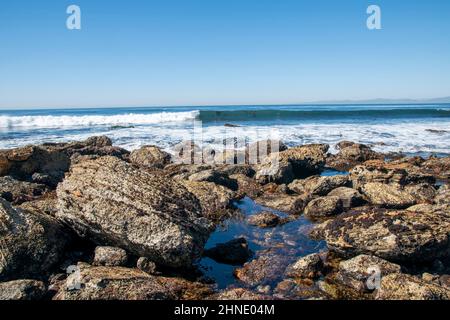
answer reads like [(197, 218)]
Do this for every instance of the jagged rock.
[(298, 162), (443, 195), (397, 196), (22, 290), (18, 192), (303, 289), (437, 167), (385, 172), (215, 200), (31, 242), (324, 207), (394, 235), (265, 269), (236, 169), (48, 205), (310, 266), (318, 186), (398, 286), (150, 157), (118, 283), (110, 256), (214, 177), (292, 204), (357, 273), (349, 197), (239, 294), (234, 252), (247, 186), (146, 265), (112, 203), (351, 154), (52, 159), (265, 219)]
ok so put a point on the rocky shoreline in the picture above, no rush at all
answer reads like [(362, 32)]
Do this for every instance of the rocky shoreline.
[(88, 220)]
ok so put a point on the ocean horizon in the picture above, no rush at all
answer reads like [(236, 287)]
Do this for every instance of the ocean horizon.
[(408, 128)]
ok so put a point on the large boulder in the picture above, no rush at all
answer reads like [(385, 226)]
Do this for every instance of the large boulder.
[(51, 160), (394, 235), (309, 266), (150, 157), (397, 196), (350, 197), (31, 242), (215, 200), (398, 286), (112, 203), (292, 204), (118, 283), (299, 162)]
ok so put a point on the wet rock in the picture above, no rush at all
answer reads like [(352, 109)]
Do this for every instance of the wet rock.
[(234, 252), (236, 169), (118, 283), (298, 289), (299, 162), (215, 200), (47, 205), (422, 193), (110, 257), (318, 186), (112, 203), (18, 192), (239, 294), (394, 235), (360, 272), (397, 286), (349, 197), (292, 204), (150, 157), (22, 290), (324, 207), (266, 268), (31, 243), (310, 266), (146, 265), (264, 219), (351, 154)]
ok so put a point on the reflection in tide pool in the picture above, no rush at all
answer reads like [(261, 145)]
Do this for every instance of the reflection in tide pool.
[(289, 240)]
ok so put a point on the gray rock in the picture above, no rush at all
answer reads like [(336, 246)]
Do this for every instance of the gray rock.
[(18, 192), (265, 219), (118, 283), (318, 186), (310, 266), (146, 265), (112, 203), (324, 207), (22, 290), (31, 243), (388, 195), (150, 157), (394, 235), (350, 197), (110, 256)]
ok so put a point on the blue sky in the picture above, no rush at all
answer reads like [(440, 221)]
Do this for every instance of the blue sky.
[(200, 52)]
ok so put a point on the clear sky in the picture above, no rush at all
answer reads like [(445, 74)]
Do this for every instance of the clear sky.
[(197, 52)]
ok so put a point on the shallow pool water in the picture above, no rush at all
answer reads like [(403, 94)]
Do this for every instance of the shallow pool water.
[(289, 240)]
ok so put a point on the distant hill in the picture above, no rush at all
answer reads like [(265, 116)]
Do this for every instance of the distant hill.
[(386, 101)]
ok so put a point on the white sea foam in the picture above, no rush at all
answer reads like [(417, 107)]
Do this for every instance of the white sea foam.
[(50, 121)]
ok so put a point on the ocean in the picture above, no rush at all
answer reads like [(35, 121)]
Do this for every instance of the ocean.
[(412, 129)]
